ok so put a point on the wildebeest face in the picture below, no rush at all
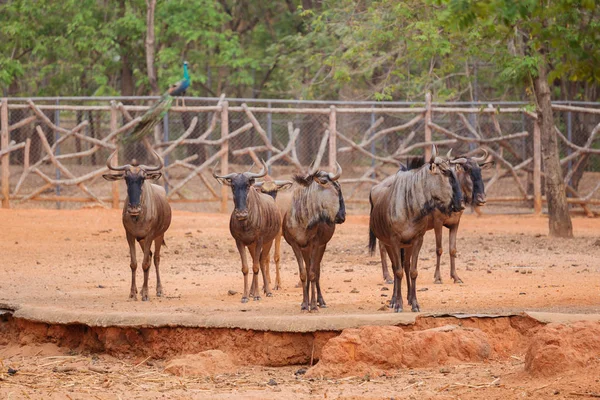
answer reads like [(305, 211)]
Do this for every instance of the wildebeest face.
[(240, 186), (332, 189), (134, 178), (471, 181), (446, 187)]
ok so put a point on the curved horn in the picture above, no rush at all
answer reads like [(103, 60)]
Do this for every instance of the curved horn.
[(480, 159), (228, 176), (281, 183), (433, 153), (121, 168), (338, 172), (460, 160), (449, 154), (313, 168), (151, 168), (260, 174)]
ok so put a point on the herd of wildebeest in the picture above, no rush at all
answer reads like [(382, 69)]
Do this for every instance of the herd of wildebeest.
[(424, 195)]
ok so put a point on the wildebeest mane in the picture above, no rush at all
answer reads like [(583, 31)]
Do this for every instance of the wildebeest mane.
[(304, 180)]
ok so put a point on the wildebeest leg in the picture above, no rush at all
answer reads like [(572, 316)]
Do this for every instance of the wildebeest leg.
[(437, 228), (255, 249), (313, 268), (132, 265), (416, 248), (277, 258), (406, 266), (158, 242), (395, 257), (452, 241), (242, 251), (384, 268), (146, 244), (302, 272), (264, 264), (320, 300)]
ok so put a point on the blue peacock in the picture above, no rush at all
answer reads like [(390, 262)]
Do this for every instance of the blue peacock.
[(157, 112)]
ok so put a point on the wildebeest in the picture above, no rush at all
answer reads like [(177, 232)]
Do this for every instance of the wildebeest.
[(308, 225), (468, 172), (146, 216), (400, 209), (272, 188), (254, 223)]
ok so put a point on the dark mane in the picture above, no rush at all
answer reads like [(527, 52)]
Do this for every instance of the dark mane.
[(413, 163), (304, 180)]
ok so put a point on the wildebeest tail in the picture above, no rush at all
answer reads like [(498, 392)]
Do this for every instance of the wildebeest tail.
[(372, 238)]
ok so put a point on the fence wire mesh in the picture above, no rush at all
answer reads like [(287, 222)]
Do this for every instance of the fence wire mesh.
[(370, 144)]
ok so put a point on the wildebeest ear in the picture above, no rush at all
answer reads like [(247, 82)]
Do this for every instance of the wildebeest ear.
[(434, 168), (487, 165), (224, 181), (113, 177), (153, 175)]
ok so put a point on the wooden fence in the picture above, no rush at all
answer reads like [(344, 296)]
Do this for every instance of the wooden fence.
[(361, 151)]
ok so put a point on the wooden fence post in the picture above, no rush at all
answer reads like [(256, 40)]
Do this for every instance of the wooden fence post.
[(427, 126), (537, 169), (332, 137), (5, 158), (225, 157), (115, 160)]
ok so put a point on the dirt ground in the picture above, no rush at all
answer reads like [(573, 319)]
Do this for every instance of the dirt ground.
[(46, 371), (79, 260)]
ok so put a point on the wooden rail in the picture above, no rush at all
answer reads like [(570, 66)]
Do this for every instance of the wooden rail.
[(422, 126)]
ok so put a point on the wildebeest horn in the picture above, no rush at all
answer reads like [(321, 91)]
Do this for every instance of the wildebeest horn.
[(117, 168), (433, 153), (338, 172), (228, 176), (281, 183), (151, 168), (312, 168), (449, 154), (460, 160), (260, 174), (482, 158)]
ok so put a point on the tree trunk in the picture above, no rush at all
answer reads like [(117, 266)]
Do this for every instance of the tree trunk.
[(558, 209), (151, 5)]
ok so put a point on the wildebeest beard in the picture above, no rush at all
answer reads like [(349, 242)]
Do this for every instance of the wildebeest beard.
[(478, 187)]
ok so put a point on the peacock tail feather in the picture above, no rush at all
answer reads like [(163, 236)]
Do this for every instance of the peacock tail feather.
[(150, 119)]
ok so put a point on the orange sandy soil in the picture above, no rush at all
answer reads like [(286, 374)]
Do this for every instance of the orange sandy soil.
[(40, 376), (79, 260)]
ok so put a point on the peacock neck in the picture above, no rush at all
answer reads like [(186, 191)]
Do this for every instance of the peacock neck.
[(186, 74)]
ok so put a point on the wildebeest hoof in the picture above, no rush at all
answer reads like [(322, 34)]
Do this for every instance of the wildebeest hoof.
[(159, 293), (398, 308), (458, 280), (389, 281), (438, 281), (269, 294), (276, 287), (145, 298), (244, 299), (314, 310), (322, 305), (256, 298), (416, 308)]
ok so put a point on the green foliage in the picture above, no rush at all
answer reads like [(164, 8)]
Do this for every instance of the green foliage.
[(372, 49)]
